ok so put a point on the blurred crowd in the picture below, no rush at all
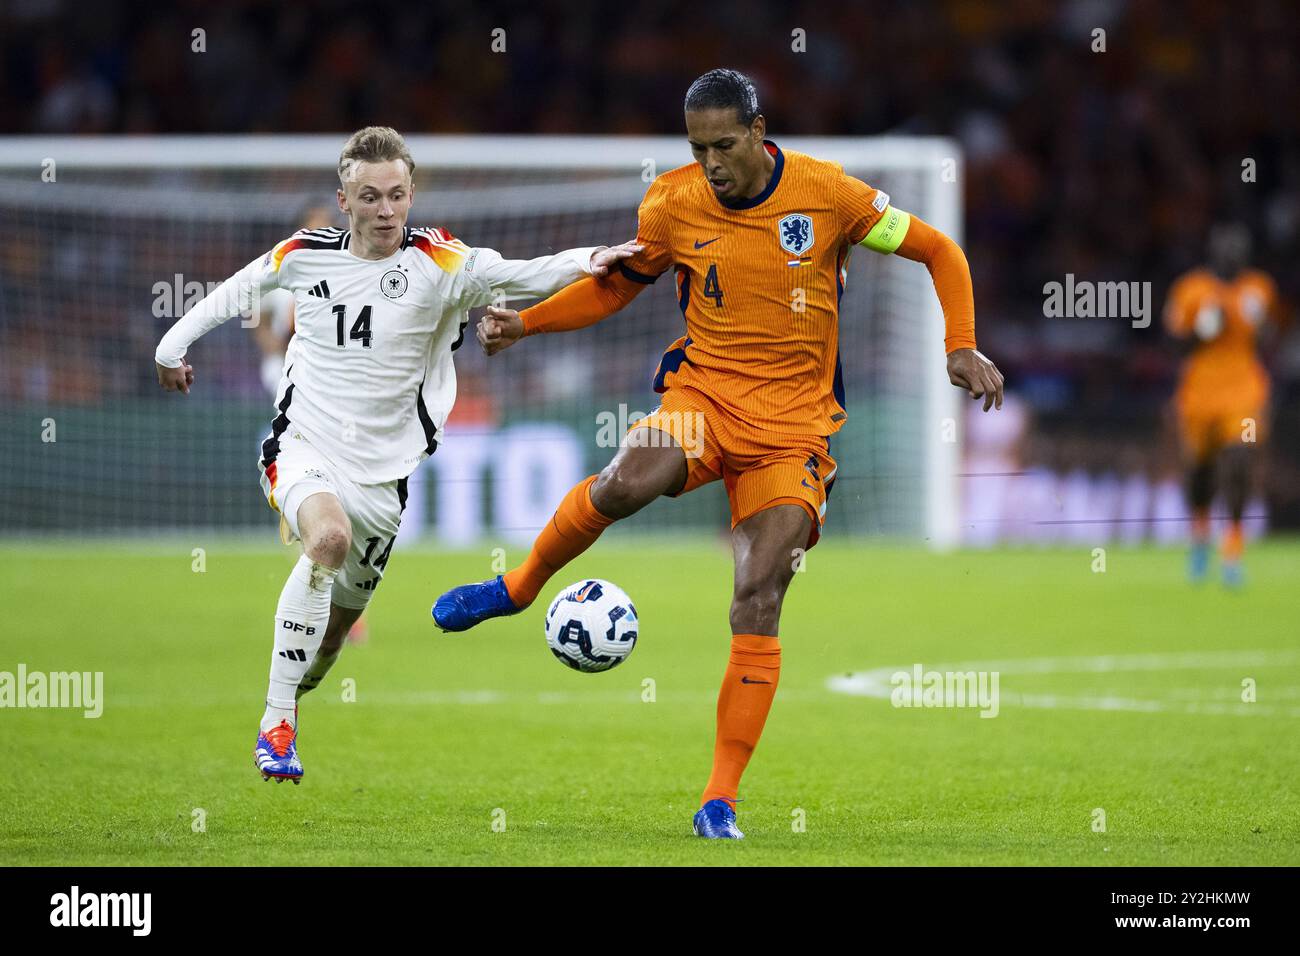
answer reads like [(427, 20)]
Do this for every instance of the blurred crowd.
[(1101, 137)]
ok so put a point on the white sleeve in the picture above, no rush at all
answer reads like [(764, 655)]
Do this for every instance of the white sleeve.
[(488, 275), (236, 296)]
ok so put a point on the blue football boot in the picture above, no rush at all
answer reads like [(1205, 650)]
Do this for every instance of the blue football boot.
[(463, 607), (717, 821), (1233, 578), (276, 753), (1198, 562)]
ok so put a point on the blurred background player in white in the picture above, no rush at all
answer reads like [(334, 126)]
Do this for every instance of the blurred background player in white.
[(272, 334), (368, 382), (1222, 399)]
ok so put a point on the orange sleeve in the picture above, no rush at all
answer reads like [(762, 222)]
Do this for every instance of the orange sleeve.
[(858, 207), (581, 304), (654, 232), (951, 276), (589, 300)]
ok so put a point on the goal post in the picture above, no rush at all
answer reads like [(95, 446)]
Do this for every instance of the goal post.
[(112, 237)]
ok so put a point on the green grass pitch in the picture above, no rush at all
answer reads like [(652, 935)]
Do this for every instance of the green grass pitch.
[(452, 737)]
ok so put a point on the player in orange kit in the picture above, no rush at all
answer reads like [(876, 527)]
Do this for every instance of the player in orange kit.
[(758, 239), (1222, 396)]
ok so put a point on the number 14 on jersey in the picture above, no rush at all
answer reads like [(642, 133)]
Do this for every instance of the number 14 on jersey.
[(360, 328)]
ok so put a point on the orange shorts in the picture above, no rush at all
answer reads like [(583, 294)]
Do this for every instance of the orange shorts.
[(759, 468), (1205, 432)]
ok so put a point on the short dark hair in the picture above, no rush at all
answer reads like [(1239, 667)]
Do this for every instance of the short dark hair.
[(724, 89)]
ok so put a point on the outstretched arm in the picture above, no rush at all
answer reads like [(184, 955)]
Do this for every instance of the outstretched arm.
[(952, 282), (583, 303), (913, 238), (237, 295), (867, 218), (494, 279), (589, 300)]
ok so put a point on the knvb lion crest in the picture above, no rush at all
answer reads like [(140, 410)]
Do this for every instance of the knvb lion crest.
[(796, 233)]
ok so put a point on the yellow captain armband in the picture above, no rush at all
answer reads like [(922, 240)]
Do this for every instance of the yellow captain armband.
[(888, 232)]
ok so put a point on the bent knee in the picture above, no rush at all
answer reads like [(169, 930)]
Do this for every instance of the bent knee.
[(617, 494), (329, 544)]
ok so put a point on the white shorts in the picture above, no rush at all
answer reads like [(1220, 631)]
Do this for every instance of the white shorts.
[(293, 470)]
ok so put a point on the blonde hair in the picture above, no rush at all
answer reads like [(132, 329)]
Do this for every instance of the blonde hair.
[(374, 144)]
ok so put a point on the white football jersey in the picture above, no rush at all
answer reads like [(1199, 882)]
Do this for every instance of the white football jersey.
[(368, 376)]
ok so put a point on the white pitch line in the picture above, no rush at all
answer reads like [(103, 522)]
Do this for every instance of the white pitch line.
[(877, 682), (479, 697)]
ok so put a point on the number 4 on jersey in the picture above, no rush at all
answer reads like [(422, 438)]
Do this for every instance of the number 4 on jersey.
[(360, 328), (711, 288)]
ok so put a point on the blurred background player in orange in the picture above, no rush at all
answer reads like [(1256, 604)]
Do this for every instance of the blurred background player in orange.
[(272, 335), (757, 238), (1221, 309)]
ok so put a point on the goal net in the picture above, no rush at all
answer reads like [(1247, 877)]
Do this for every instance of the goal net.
[(110, 239)]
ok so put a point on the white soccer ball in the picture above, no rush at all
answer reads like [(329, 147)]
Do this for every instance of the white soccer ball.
[(591, 626)]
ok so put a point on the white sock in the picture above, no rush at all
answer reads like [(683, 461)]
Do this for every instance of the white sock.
[(300, 622)]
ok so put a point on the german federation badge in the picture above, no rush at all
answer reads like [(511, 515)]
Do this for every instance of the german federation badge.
[(393, 283)]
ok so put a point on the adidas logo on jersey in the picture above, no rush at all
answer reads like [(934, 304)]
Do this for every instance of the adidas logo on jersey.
[(321, 290), (295, 654)]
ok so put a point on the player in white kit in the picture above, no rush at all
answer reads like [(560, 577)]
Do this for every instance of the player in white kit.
[(368, 382)]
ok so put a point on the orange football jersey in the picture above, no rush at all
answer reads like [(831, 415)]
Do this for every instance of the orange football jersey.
[(1223, 370), (759, 282)]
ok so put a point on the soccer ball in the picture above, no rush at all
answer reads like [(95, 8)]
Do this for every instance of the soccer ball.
[(591, 626)]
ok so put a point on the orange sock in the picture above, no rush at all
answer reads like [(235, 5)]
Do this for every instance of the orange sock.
[(1233, 542), (746, 696), (573, 529), (1201, 525)]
